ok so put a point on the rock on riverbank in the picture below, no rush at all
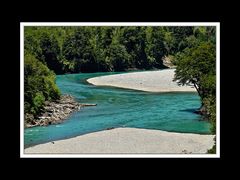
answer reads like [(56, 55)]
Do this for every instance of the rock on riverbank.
[(54, 112)]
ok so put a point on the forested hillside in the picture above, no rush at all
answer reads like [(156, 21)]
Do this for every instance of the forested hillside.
[(94, 49)]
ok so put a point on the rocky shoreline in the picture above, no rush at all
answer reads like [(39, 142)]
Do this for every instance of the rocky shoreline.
[(54, 112)]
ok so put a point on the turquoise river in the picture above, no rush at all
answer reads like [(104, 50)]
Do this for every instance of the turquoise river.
[(118, 107)]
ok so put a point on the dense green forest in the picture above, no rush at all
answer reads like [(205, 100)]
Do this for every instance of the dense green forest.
[(59, 50), (94, 49)]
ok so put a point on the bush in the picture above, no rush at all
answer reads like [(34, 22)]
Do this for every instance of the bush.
[(119, 57), (38, 102), (39, 84), (210, 104)]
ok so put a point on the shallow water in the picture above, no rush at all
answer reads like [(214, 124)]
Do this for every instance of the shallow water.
[(120, 108)]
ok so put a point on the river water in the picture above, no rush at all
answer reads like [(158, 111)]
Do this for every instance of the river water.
[(118, 107)]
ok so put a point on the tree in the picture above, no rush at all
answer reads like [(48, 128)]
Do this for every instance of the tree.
[(101, 41), (87, 49), (133, 38), (195, 66), (119, 57), (39, 84), (155, 47), (169, 42), (50, 52), (205, 33), (77, 49), (180, 34)]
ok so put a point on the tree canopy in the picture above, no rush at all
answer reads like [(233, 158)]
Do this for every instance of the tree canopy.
[(196, 65), (94, 49), (39, 84)]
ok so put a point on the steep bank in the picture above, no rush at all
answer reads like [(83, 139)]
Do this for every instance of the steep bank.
[(128, 140)]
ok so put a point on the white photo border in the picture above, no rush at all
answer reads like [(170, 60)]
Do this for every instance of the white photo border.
[(24, 24)]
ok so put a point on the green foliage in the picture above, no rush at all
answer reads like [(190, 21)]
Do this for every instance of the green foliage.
[(77, 49), (50, 52), (205, 33), (45, 43), (90, 49), (155, 48), (86, 49), (210, 103), (196, 66), (118, 56), (179, 33), (38, 102), (169, 40), (133, 38), (39, 84)]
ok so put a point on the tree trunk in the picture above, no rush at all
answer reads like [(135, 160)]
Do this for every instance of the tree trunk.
[(197, 88), (202, 110)]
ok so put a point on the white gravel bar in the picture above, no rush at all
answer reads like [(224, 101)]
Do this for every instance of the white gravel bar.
[(127, 141), (151, 81)]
